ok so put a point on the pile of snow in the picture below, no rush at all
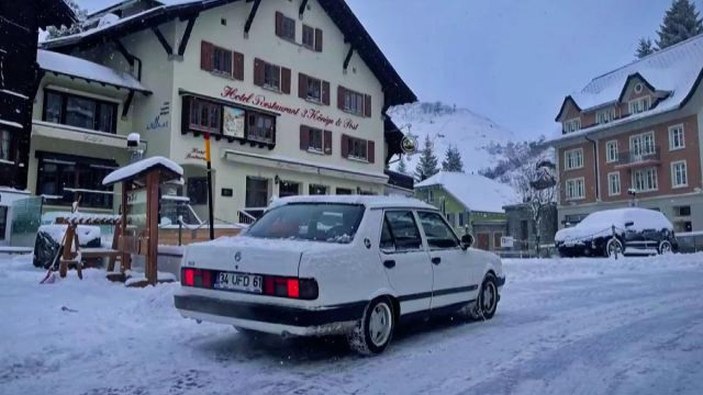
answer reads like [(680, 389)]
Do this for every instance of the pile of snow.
[(141, 166), (477, 193), (85, 233), (600, 223)]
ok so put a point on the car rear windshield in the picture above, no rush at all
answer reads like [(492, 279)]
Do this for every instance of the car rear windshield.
[(326, 222)]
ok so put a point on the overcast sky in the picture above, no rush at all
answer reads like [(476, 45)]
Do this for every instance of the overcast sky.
[(510, 60)]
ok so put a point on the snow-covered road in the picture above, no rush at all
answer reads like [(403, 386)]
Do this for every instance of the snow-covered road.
[(632, 326)]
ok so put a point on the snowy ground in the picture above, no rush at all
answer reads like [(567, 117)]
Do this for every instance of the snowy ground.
[(632, 326)]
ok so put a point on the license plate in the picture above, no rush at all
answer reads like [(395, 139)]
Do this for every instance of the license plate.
[(239, 282)]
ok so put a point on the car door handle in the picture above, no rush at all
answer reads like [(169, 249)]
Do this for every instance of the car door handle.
[(390, 264), (436, 260)]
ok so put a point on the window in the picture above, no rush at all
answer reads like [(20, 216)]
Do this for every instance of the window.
[(261, 128), (257, 193), (272, 76), (679, 175), (3, 221), (642, 144), (682, 211), (461, 219), (288, 188), (357, 148), (197, 190), (205, 116), (639, 105), (5, 144), (353, 102), (451, 219), (288, 31), (438, 233), (222, 60), (575, 189), (572, 125), (573, 159), (613, 184), (645, 180), (676, 138), (343, 191), (611, 151), (308, 37), (315, 139), (605, 116), (79, 111), (67, 177), (400, 232), (315, 189), (314, 89)]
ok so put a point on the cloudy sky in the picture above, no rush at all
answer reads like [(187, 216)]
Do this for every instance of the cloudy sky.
[(510, 60)]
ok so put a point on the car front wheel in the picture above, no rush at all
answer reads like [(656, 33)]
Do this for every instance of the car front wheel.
[(374, 331), (487, 302), (665, 247), (612, 247)]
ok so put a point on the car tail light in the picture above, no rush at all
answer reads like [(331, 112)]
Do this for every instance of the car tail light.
[(200, 278), (188, 277), (290, 287)]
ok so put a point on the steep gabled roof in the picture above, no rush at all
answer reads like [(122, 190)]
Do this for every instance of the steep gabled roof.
[(563, 107), (475, 192), (394, 88)]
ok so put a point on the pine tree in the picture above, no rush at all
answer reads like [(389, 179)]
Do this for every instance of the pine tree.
[(452, 160), (427, 167), (681, 22), (644, 48), (81, 15), (402, 166)]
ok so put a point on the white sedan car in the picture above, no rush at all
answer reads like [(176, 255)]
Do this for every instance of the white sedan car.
[(353, 265)]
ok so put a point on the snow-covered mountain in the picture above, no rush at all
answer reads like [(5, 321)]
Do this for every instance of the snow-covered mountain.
[(476, 136)]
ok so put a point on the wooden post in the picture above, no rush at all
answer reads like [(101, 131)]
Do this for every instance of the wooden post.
[(67, 247), (125, 257), (153, 180)]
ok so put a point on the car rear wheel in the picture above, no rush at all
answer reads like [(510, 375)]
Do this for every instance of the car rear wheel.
[(612, 247), (665, 247), (374, 331)]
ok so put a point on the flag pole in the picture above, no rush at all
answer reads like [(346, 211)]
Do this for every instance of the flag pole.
[(210, 208)]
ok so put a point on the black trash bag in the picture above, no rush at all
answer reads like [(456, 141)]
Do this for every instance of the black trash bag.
[(46, 250)]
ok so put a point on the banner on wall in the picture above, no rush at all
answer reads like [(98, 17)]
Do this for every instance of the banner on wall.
[(233, 122)]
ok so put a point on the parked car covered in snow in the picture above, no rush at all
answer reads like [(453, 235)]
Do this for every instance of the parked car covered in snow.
[(352, 265), (623, 231)]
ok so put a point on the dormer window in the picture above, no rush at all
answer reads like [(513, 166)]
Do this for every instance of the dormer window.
[(605, 116), (572, 125), (639, 105)]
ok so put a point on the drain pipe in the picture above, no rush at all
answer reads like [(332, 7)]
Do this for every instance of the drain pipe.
[(595, 165)]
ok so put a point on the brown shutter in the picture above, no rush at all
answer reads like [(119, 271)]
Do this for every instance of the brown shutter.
[(302, 86), (279, 24), (206, 55), (318, 40), (325, 93), (285, 80), (345, 146), (340, 97), (304, 137), (367, 106), (258, 72), (370, 151), (327, 142), (238, 66)]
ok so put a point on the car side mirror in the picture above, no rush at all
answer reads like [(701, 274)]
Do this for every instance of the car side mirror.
[(467, 241), (628, 224)]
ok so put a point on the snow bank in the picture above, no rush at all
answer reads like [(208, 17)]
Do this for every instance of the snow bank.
[(85, 233)]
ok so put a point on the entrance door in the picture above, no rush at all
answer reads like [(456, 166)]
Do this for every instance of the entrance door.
[(405, 260)]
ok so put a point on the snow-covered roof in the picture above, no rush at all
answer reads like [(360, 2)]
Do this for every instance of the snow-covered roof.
[(81, 68), (476, 192), (370, 201), (674, 70), (141, 166)]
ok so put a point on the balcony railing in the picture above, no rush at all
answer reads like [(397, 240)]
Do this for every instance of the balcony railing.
[(631, 158)]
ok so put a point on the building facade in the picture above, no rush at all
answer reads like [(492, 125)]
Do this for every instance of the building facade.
[(292, 94), (633, 137)]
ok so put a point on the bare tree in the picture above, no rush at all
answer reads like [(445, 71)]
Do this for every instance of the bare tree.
[(537, 187)]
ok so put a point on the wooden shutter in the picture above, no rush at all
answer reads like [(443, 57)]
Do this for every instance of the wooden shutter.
[(302, 86), (327, 142), (370, 151), (285, 80), (325, 93), (367, 106), (206, 50), (238, 66), (345, 146), (318, 40), (340, 97), (304, 137), (258, 72), (279, 24)]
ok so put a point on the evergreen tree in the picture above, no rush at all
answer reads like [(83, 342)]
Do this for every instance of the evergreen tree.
[(81, 15), (644, 48), (402, 166), (427, 167), (680, 23), (452, 160)]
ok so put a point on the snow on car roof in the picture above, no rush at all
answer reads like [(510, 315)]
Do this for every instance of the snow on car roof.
[(642, 218), (370, 201)]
